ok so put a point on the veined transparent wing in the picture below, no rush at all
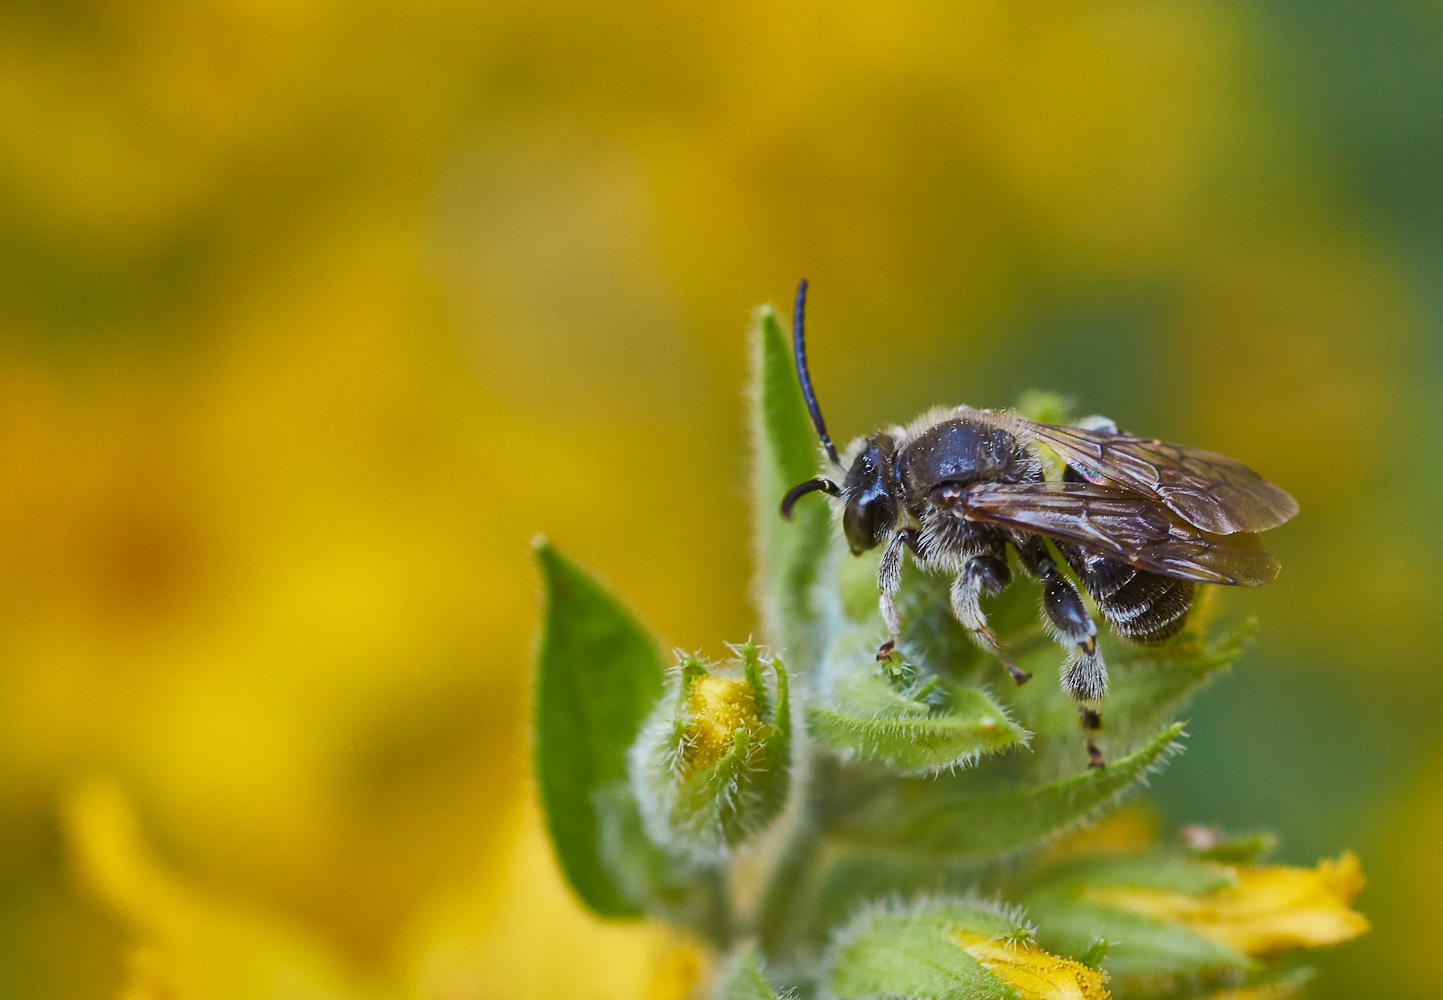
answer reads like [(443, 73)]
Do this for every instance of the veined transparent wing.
[(1213, 492), (1123, 525)]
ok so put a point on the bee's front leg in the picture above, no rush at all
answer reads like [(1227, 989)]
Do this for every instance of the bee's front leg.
[(984, 574), (889, 581)]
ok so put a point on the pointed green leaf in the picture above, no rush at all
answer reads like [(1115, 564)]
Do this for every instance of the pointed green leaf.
[(910, 952), (923, 726), (1138, 945), (660, 883), (1149, 687), (775, 781), (740, 978), (598, 673), (942, 821), (1152, 686), (790, 553), (1155, 869), (972, 726)]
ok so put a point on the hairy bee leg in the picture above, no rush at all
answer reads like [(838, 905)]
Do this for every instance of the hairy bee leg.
[(982, 574), (1085, 674), (1091, 722), (889, 581)]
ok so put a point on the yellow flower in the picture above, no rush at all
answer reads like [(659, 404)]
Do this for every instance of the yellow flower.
[(1266, 991), (718, 707), (1032, 972), (1271, 909)]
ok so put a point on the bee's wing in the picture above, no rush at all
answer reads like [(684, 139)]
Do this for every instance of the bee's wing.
[(1123, 525), (1212, 491)]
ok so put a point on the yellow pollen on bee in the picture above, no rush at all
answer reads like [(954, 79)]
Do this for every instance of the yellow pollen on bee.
[(718, 707)]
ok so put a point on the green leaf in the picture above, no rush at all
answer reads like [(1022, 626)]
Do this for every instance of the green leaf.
[(598, 673), (740, 978), (1138, 945), (1164, 870), (790, 553), (662, 884), (925, 726), (910, 952), (928, 816), (972, 726), (1141, 945), (1149, 688)]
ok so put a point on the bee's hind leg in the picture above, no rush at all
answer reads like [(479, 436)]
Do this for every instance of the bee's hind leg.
[(1085, 674), (984, 574), (1091, 721), (889, 581)]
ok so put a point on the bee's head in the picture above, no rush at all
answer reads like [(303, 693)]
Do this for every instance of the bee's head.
[(869, 511)]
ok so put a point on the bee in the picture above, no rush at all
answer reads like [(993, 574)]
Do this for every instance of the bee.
[(1139, 521)]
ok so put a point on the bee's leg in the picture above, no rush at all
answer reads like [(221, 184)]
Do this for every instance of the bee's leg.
[(889, 580), (983, 574), (1085, 676), (1091, 722)]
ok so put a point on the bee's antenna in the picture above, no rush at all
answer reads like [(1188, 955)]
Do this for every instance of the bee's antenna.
[(794, 494), (799, 352)]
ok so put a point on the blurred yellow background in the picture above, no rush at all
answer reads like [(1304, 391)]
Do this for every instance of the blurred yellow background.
[(311, 314)]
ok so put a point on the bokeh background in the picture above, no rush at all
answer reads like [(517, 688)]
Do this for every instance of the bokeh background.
[(312, 313)]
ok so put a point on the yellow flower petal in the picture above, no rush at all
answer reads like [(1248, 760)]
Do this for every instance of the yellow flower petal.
[(195, 945), (1272, 908), (1032, 972), (1267, 991), (719, 706)]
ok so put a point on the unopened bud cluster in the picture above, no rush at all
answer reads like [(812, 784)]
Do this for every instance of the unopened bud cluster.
[(712, 766)]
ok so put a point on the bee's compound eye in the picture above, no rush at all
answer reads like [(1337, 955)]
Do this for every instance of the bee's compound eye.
[(864, 518), (946, 495)]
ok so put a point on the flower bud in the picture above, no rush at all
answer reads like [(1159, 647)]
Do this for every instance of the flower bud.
[(712, 765)]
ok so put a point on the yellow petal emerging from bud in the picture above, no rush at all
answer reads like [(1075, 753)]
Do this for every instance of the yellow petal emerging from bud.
[(1272, 908), (718, 707), (1032, 972), (1268, 991)]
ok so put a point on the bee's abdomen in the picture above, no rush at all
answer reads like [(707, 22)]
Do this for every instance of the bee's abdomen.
[(1141, 606)]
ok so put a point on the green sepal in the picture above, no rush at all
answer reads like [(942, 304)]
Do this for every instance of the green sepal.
[(598, 673), (1092, 956), (908, 951), (740, 978), (789, 552), (702, 815), (943, 819), (1243, 849)]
